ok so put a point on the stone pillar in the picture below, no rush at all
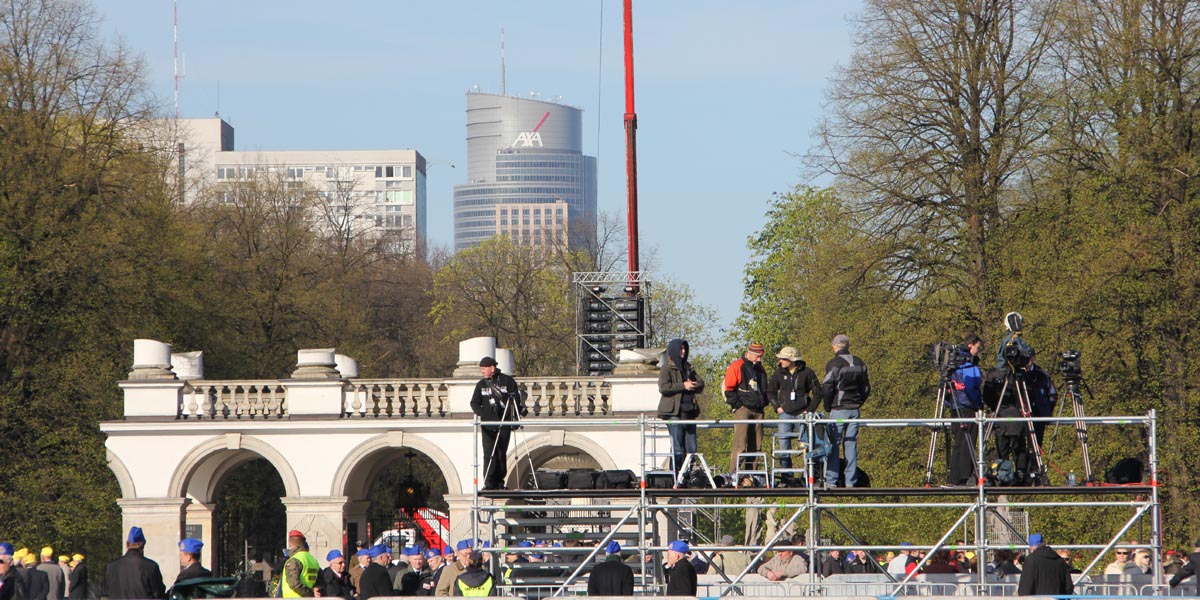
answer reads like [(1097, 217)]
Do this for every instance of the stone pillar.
[(356, 513), (201, 516), (320, 519), (461, 526), (161, 519)]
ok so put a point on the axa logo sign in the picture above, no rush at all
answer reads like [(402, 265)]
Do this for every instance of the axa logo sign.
[(530, 139)]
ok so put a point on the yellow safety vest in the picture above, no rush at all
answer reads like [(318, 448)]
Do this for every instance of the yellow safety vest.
[(481, 591), (308, 575)]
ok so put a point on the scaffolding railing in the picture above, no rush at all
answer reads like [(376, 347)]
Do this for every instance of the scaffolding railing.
[(637, 512)]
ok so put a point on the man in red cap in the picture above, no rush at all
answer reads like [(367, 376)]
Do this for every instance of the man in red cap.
[(746, 393), (301, 569)]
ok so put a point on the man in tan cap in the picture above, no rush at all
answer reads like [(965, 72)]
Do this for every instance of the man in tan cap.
[(746, 393), (792, 390)]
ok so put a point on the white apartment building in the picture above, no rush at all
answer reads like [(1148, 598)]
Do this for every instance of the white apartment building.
[(369, 192)]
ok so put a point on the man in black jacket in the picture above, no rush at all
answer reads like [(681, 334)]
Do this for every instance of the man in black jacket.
[(496, 398), (611, 577), (792, 390), (79, 578), (333, 581), (1189, 569), (37, 583), (846, 387), (375, 580), (681, 575), (133, 575), (189, 559), (1044, 573)]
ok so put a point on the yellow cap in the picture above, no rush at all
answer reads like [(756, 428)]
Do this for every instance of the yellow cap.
[(19, 554), (47, 552), (77, 557), (970, 555), (30, 560), (63, 558)]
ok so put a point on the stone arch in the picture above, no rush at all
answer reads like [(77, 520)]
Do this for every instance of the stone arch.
[(542, 447), (212, 459), (124, 479), (351, 481)]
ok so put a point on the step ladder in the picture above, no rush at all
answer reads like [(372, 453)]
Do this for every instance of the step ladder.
[(658, 453), (753, 464), (796, 455), (690, 461)]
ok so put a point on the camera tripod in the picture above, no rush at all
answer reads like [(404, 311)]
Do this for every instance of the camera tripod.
[(1016, 379), (1074, 384), (944, 392)]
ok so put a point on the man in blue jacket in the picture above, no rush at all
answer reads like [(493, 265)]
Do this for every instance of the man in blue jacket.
[(964, 400)]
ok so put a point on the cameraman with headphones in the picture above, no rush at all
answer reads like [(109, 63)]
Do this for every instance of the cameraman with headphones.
[(966, 397), (496, 398)]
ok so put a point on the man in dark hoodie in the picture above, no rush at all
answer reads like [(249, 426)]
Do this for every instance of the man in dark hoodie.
[(496, 398), (679, 385), (792, 390), (1045, 572), (474, 581)]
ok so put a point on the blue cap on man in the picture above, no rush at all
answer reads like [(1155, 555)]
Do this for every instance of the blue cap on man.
[(464, 545), (431, 553), (447, 550), (612, 548), (379, 550), (679, 546), (136, 536), (6, 549), (410, 551), (364, 552), (1035, 539), (191, 545), (333, 554)]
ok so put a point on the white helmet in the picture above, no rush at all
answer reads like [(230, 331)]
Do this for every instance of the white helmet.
[(1013, 321)]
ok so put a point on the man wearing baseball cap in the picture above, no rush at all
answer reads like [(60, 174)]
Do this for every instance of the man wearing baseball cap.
[(745, 388), (133, 575), (681, 575), (496, 398), (189, 559), (375, 580), (301, 569), (1044, 573), (611, 577)]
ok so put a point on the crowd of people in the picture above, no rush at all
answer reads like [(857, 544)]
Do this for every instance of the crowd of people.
[(42, 575)]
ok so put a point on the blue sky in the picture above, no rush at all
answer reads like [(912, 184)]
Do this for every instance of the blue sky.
[(725, 91)]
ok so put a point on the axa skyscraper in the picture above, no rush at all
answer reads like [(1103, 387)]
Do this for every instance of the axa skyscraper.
[(527, 176)]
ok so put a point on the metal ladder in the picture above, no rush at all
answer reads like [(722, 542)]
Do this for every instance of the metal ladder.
[(797, 455), (752, 464)]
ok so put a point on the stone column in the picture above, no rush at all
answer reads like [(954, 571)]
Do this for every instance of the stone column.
[(201, 515), (321, 520), (356, 512), (460, 517), (161, 519)]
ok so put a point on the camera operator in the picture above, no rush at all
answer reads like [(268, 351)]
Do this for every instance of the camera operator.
[(966, 382), (1012, 433), (1043, 396), (1014, 324), (496, 398)]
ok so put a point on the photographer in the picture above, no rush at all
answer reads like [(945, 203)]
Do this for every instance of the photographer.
[(679, 385), (1043, 396), (496, 398), (966, 383)]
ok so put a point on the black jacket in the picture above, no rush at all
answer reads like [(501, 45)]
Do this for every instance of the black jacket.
[(803, 381), (12, 587), (133, 576), (1045, 573), (681, 579), (676, 401), (332, 586), (611, 578), (833, 566), (1186, 570), (37, 584), (497, 399), (846, 384), (193, 571), (375, 582), (79, 581)]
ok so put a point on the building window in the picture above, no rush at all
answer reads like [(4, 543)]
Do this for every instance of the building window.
[(407, 171)]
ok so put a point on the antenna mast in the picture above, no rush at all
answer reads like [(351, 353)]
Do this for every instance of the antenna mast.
[(631, 147), (502, 90)]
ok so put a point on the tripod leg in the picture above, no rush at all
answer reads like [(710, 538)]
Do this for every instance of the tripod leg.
[(1081, 430), (937, 414), (1034, 447)]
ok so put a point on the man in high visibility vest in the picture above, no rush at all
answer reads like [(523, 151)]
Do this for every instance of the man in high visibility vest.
[(301, 569), (474, 582)]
